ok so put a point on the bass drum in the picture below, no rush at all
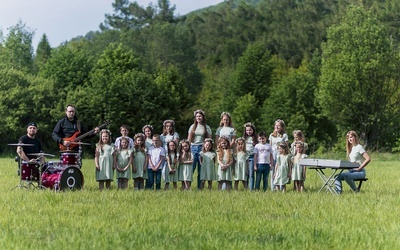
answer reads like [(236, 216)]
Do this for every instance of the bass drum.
[(61, 178)]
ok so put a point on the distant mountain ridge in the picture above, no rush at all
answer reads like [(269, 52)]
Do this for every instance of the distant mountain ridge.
[(220, 5)]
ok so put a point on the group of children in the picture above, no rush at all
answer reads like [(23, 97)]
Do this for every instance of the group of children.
[(153, 157)]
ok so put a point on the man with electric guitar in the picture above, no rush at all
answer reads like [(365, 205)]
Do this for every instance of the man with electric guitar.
[(68, 133)]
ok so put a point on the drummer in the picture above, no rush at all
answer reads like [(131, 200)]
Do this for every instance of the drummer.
[(24, 152)]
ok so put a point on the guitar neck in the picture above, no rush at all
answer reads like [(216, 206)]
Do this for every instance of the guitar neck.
[(89, 132)]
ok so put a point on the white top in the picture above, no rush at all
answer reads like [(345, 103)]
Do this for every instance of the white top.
[(155, 155), (356, 154), (264, 152), (199, 134), (148, 142), (165, 139), (249, 146), (226, 131), (274, 141)]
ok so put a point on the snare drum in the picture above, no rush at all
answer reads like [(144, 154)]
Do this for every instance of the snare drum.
[(69, 158), (61, 178), (29, 171)]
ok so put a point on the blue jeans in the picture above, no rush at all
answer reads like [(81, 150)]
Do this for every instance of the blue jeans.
[(349, 177), (150, 179), (262, 170), (196, 149), (251, 172)]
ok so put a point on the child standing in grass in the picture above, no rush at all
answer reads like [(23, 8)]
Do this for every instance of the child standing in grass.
[(123, 160), (250, 137), (298, 136), (299, 172), (168, 135), (241, 165), (172, 165), (139, 169), (185, 165), (263, 160), (155, 160), (104, 159), (283, 168), (225, 160), (207, 161), (275, 138)]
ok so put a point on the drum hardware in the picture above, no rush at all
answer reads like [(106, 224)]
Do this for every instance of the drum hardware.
[(19, 165), (80, 143), (21, 144), (41, 154)]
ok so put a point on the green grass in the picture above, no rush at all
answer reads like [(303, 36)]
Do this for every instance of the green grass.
[(112, 219)]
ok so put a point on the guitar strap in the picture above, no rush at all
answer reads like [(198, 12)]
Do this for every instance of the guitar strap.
[(78, 125)]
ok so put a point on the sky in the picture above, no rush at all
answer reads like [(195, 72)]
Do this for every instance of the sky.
[(62, 20)]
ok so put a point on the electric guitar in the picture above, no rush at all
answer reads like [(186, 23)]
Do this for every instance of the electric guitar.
[(76, 137)]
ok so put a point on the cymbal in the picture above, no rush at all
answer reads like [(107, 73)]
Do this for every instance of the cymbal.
[(21, 144), (80, 143), (41, 154)]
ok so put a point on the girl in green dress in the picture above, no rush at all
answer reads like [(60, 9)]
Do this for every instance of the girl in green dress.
[(104, 159)]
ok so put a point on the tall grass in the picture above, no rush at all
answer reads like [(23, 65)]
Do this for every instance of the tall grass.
[(123, 219)]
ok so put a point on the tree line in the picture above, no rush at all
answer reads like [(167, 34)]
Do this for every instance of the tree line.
[(324, 67)]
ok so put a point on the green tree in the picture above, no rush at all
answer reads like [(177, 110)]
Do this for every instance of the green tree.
[(246, 110), (254, 72), (359, 78), (43, 53), (296, 28), (129, 15), (25, 98), (69, 67), (17, 52)]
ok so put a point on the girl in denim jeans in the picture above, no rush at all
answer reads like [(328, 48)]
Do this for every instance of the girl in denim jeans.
[(197, 133)]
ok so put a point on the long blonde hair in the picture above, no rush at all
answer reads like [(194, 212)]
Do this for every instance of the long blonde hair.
[(349, 146), (100, 144), (221, 150), (283, 130)]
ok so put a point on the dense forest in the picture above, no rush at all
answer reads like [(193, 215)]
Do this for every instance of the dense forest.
[(324, 67)]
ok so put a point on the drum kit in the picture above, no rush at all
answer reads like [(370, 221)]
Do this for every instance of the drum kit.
[(62, 175)]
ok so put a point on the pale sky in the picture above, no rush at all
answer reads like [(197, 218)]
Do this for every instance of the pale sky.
[(62, 20)]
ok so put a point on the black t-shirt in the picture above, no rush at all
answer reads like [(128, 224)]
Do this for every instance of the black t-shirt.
[(36, 148)]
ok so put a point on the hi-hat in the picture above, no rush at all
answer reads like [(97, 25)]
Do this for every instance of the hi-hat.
[(41, 154), (21, 144)]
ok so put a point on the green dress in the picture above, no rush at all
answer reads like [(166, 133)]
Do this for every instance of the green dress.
[(106, 163), (297, 170), (175, 176), (208, 172), (225, 175), (241, 166), (186, 171), (282, 171), (123, 157), (139, 161)]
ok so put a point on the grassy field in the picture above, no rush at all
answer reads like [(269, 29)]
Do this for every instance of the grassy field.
[(115, 219)]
